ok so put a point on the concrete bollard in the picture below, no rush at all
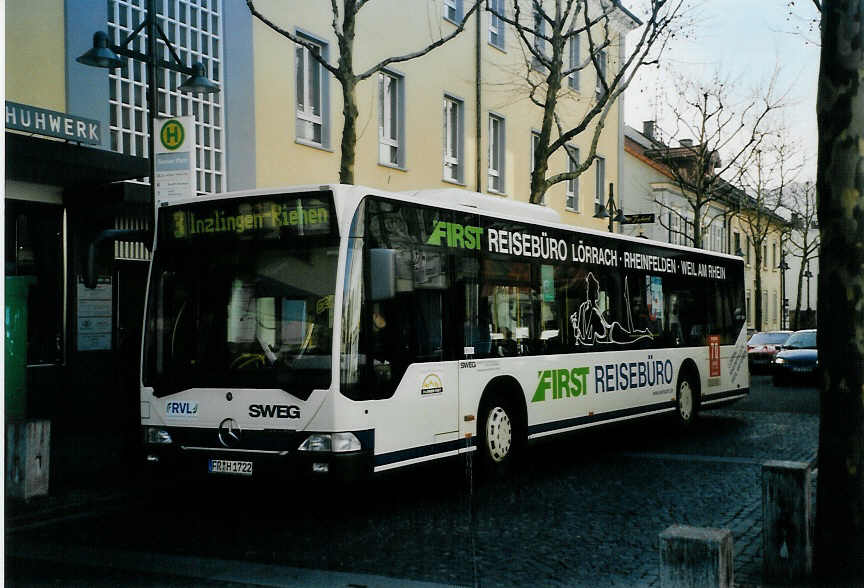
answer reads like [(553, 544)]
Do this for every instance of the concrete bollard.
[(695, 557), (28, 450), (787, 553)]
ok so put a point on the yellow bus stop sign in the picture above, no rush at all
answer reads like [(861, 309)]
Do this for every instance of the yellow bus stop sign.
[(172, 134)]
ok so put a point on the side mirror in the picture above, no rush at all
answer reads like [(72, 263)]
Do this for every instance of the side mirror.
[(111, 235), (382, 274)]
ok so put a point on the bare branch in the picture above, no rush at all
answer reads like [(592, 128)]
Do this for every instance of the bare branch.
[(312, 47), (414, 55)]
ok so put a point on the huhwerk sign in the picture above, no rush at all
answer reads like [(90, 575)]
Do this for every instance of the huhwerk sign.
[(30, 119), (175, 158)]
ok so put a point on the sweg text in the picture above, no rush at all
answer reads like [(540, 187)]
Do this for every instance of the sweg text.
[(279, 411)]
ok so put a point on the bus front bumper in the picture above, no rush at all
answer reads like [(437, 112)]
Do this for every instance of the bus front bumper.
[(196, 460)]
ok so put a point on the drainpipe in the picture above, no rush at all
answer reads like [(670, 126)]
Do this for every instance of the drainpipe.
[(621, 188), (478, 119)]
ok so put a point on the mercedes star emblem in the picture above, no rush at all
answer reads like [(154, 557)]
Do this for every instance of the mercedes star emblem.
[(229, 433)]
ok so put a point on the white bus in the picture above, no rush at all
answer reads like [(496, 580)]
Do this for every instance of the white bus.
[(341, 330)]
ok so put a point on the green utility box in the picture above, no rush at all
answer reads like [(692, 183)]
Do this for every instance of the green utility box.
[(17, 290)]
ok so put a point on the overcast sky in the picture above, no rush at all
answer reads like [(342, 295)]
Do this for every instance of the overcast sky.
[(745, 40)]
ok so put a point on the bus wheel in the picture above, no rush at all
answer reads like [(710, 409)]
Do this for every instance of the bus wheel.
[(498, 432), (687, 399)]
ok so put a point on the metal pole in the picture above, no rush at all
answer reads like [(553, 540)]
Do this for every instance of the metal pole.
[(610, 205), (152, 103)]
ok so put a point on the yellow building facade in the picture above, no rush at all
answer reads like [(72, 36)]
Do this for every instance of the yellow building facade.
[(443, 108), (772, 292)]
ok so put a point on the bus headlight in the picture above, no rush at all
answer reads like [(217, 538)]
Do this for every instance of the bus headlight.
[(155, 436), (330, 442)]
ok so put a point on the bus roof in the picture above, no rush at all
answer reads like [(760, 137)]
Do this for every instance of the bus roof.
[(454, 198)]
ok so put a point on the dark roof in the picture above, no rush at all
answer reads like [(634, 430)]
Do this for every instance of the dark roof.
[(58, 163)]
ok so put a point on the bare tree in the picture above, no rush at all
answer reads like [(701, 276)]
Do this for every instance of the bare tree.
[(765, 177), (546, 36), (344, 23), (706, 122), (803, 235), (839, 537)]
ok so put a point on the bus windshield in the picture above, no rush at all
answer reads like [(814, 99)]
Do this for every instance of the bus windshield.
[(249, 308)]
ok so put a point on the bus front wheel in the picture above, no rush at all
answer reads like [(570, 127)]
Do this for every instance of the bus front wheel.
[(499, 432), (687, 398)]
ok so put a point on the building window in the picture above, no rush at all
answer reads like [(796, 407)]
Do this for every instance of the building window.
[(573, 78), (599, 182), (749, 309), (496, 153), (391, 119), (453, 10), (572, 198), (496, 25), (715, 233), (311, 107), (601, 75), (736, 238), (765, 257), (747, 252), (453, 140), (195, 30), (774, 255), (539, 41)]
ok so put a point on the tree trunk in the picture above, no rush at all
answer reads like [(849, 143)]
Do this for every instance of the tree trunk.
[(349, 98), (839, 541), (697, 224), (349, 131)]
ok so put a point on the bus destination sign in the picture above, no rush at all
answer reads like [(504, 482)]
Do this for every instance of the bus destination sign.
[(263, 218)]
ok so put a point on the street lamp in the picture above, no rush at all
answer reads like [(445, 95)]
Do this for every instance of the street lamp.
[(783, 267), (808, 275), (104, 54), (611, 210)]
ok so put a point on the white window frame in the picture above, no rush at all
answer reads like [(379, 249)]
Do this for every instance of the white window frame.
[(454, 168), (599, 181), (127, 105), (539, 42), (304, 95), (496, 25), (453, 10), (602, 62), (572, 193), (573, 78), (391, 89), (497, 149)]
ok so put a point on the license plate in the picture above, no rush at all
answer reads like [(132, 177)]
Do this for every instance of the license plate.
[(800, 369), (224, 466)]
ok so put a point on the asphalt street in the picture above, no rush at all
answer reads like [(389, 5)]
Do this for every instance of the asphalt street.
[(585, 510)]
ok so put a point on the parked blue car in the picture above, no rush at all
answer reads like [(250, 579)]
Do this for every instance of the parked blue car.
[(798, 359)]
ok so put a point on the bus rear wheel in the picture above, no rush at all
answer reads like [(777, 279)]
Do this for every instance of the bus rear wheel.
[(499, 432), (687, 399)]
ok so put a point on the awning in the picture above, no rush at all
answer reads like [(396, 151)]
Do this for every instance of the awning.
[(31, 159)]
